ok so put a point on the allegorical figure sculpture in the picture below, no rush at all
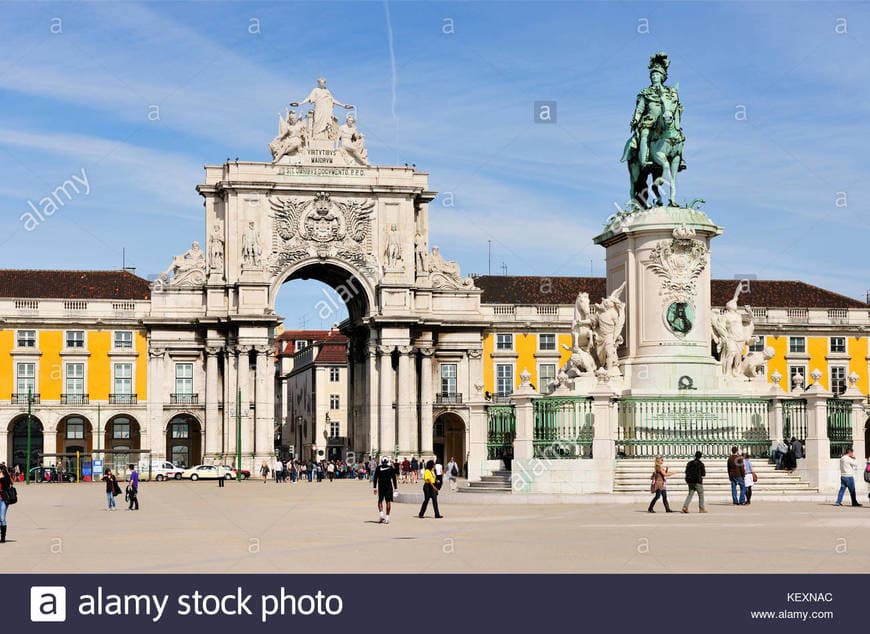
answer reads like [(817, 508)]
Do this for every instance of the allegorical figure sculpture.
[(352, 142), (581, 350), (291, 136), (732, 332), (251, 250), (655, 148), (421, 254), (325, 125), (216, 248), (393, 251), (609, 322), (187, 269)]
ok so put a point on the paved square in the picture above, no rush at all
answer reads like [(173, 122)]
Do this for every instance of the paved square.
[(331, 527)]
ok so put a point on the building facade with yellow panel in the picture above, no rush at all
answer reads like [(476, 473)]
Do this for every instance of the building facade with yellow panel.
[(806, 327), (74, 360)]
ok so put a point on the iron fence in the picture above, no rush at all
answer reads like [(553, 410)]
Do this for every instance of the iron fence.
[(501, 430), (564, 427), (678, 427), (839, 426), (794, 419)]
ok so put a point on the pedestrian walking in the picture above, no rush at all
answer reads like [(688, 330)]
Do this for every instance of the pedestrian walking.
[(112, 488), (330, 471), (430, 490), (439, 475), (279, 471), (695, 473), (848, 464), (452, 473), (134, 489), (264, 471), (750, 478), (737, 476), (659, 485), (383, 482), (415, 469), (5, 493)]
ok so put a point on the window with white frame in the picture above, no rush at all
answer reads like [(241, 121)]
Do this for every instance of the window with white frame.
[(301, 343), (838, 344), (184, 378), (546, 341), (75, 429), (504, 341), (334, 401), (75, 378), (793, 371), (75, 338), (448, 379), (123, 382), (25, 378), (334, 429), (797, 345), (334, 375), (504, 379), (757, 345), (26, 339), (838, 379), (546, 374), (123, 340)]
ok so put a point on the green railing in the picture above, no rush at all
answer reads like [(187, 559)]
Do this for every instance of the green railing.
[(839, 426), (501, 430), (794, 419), (678, 427), (563, 427)]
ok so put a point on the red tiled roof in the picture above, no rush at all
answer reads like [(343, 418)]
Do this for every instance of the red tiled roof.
[(333, 351), (36, 284), (526, 289)]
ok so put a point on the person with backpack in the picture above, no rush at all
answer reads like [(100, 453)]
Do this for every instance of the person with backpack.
[(695, 472), (112, 488), (383, 483), (7, 497), (452, 473)]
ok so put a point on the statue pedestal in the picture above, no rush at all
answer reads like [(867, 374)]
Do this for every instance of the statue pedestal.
[(662, 256)]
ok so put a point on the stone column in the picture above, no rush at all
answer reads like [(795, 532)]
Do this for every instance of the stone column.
[(776, 419), (405, 405), (264, 399), (212, 395), (387, 419), (854, 395), (426, 420), (478, 438), (818, 468), (156, 398), (231, 369), (372, 390), (522, 471)]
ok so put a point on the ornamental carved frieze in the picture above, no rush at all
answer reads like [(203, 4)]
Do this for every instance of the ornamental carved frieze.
[(679, 262), (321, 227)]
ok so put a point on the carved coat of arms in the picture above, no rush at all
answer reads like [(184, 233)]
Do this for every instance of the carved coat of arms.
[(324, 228)]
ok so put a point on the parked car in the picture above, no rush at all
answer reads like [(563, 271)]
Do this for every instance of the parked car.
[(49, 474), (245, 473), (207, 472)]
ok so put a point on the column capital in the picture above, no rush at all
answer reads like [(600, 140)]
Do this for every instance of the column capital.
[(213, 350), (384, 350), (426, 351), (263, 349), (405, 350), (475, 353)]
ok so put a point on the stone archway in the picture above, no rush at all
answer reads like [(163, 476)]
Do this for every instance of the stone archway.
[(123, 435), (449, 439), (74, 434), (17, 441), (184, 440)]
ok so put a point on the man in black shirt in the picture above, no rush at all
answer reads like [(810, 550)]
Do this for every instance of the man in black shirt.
[(695, 472), (383, 483)]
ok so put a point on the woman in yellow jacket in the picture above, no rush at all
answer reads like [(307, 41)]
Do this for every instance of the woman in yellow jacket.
[(429, 490)]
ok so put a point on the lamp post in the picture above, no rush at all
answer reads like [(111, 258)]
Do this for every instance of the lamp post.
[(29, 404)]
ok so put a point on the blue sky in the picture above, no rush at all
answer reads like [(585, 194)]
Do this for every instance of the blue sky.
[(81, 99)]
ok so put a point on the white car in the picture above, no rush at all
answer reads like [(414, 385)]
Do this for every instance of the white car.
[(207, 472), (160, 470)]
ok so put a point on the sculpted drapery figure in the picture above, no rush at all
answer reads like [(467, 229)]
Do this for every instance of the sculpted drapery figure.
[(216, 248), (325, 125), (732, 332), (655, 147), (251, 250), (352, 142), (581, 359), (186, 269), (291, 136), (609, 322)]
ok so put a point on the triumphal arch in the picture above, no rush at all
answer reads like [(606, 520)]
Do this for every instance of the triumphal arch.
[(316, 209)]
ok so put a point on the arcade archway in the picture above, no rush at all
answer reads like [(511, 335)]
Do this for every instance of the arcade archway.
[(74, 434), (17, 441), (122, 434), (448, 439), (184, 440)]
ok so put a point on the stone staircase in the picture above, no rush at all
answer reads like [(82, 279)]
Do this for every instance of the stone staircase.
[(633, 477), (498, 482)]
